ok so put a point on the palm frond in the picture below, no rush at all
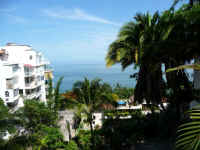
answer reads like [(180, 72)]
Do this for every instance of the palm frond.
[(189, 133), (191, 66)]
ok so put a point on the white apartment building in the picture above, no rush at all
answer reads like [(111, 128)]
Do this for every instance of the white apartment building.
[(22, 74)]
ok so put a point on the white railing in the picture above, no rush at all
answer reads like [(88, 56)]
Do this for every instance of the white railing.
[(30, 96), (29, 73), (130, 107)]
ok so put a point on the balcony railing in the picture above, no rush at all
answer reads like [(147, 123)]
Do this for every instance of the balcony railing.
[(33, 95), (30, 73), (32, 84)]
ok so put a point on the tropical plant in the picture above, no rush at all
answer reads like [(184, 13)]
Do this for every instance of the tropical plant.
[(123, 92), (8, 123), (72, 146), (189, 133), (90, 98), (54, 97), (48, 138), (33, 117), (132, 47)]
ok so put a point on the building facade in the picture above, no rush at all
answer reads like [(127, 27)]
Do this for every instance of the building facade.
[(22, 74)]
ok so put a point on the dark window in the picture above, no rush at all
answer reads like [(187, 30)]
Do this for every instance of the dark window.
[(16, 91), (30, 57), (15, 67), (46, 82), (7, 94), (21, 92), (28, 92)]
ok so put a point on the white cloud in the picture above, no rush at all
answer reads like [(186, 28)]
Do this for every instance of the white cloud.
[(77, 14)]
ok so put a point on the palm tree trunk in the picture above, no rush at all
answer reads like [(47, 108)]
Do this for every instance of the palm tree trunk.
[(191, 2), (92, 136)]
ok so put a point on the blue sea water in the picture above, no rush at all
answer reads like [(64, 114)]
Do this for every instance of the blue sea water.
[(77, 72)]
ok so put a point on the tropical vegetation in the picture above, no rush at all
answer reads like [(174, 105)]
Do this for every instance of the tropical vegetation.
[(160, 47)]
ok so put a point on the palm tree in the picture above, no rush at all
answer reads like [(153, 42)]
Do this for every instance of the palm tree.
[(133, 47), (90, 98), (125, 48), (53, 95)]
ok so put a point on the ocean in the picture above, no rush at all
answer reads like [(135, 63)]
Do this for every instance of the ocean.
[(77, 72)]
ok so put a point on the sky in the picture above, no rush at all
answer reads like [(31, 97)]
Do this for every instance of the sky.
[(70, 31)]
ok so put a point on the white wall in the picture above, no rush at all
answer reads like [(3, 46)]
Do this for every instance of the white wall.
[(22, 55)]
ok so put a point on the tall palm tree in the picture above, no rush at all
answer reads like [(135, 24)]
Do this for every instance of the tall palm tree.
[(90, 97), (132, 47), (125, 48)]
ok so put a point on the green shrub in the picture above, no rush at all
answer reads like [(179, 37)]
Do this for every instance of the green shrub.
[(72, 146)]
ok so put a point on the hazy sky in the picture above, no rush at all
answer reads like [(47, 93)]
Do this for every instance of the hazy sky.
[(72, 31)]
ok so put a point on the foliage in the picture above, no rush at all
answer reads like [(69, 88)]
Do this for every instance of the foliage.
[(122, 133), (37, 125), (72, 146), (34, 114), (188, 133), (7, 120), (48, 138), (123, 92), (116, 114), (54, 97), (167, 123), (84, 140), (167, 40), (91, 96)]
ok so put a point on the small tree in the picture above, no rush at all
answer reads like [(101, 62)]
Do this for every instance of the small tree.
[(90, 97)]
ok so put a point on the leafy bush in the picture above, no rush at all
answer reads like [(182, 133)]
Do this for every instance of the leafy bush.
[(84, 140), (72, 146)]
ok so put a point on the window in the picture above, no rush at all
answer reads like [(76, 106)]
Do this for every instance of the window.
[(38, 78), (28, 92), (16, 92), (30, 57), (38, 89), (6, 93), (21, 91), (15, 67)]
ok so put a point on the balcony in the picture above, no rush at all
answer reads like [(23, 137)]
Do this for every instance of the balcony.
[(29, 73), (32, 84), (42, 61), (11, 96), (28, 70), (3, 55), (31, 96), (33, 93)]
